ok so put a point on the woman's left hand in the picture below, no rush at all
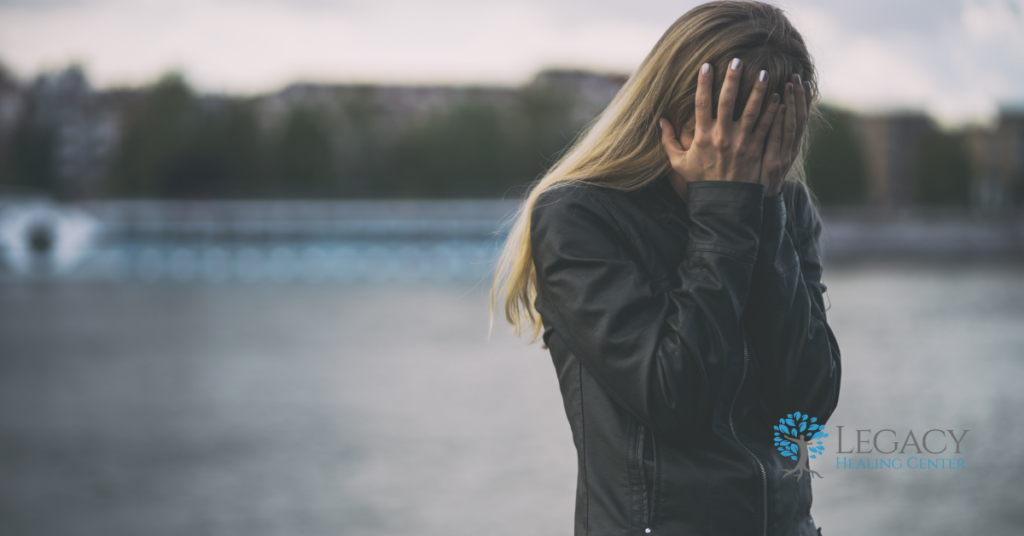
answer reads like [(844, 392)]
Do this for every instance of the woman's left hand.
[(786, 135)]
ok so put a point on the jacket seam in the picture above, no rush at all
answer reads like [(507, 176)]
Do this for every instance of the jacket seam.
[(704, 202), (793, 265), (711, 497), (583, 430), (712, 248), (777, 273), (655, 486), (635, 463)]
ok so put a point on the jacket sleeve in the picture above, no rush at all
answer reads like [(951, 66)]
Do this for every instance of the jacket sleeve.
[(793, 343), (658, 354)]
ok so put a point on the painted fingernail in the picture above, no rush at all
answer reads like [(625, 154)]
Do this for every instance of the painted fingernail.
[(762, 77), (775, 98), (705, 68), (735, 64), (807, 86), (790, 86), (798, 80)]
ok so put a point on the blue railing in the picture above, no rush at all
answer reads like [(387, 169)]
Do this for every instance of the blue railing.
[(252, 241)]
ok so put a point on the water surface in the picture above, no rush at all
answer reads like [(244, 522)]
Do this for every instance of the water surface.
[(311, 408)]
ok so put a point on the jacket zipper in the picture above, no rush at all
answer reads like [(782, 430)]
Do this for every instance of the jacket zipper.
[(647, 500), (764, 474)]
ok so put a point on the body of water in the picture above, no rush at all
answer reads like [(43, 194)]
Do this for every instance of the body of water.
[(313, 409)]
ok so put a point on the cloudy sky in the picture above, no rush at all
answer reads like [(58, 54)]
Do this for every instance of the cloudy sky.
[(957, 59)]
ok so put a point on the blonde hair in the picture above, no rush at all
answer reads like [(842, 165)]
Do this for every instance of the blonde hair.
[(622, 149)]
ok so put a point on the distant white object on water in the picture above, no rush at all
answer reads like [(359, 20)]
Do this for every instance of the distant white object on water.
[(44, 237)]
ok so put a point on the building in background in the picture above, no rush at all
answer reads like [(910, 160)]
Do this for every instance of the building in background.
[(591, 92), (61, 137), (989, 192), (997, 155), (12, 96), (891, 143), (58, 133), (1010, 153)]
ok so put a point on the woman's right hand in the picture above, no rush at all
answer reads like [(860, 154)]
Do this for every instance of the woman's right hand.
[(721, 149), (786, 136)]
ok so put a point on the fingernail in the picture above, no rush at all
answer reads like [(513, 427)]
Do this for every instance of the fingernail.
[(705, 68), (790, 86), (762, 77), (735, 64), (661, 123), (775, 98), (798, 80), (807, 86)]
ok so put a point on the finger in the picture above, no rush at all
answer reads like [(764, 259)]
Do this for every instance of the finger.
[(807, 106), (807, 97), (767, 121), (789, 127), (727, 98), (753, 108), (705, 82), (669, 140), (774, 147), (800, 97)]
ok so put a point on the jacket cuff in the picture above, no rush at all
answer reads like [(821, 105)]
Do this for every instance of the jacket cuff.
[(775, 254), (773, 214), (726, 217)]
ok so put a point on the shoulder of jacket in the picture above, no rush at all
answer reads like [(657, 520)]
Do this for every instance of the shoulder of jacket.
[(579, 206), (572, 196)]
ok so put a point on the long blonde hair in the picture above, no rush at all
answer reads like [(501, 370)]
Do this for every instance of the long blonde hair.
[(622, 149)]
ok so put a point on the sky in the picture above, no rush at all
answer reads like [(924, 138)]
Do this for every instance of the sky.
[(959, 60)]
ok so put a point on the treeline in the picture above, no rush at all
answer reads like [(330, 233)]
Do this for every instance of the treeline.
[(175, 143), (175, 147)]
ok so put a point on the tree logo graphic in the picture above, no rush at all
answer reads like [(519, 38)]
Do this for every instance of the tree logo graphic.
[(794, 436)]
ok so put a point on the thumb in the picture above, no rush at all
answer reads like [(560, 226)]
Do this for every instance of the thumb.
[(669, 140)]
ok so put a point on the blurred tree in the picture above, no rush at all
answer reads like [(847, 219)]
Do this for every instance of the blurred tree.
[(1016, 189), (835, 160), (467, 151), (153, 131), (177, 145), (943, 170), (546, 130), (31, 165), (363, 158), (304, 156)]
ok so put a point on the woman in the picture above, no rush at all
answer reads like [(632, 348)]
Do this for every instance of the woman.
[(678, 285)]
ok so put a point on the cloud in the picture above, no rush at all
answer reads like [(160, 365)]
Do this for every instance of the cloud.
[(258, 45), (959, 64), (958, 60), (39, 4)]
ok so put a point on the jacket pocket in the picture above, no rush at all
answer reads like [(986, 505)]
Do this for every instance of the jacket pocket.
[(647, 469)]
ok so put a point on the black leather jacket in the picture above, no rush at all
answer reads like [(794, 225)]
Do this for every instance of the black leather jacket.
[(681, 332)]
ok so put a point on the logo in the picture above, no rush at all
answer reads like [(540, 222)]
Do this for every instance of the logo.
[(798, 438)]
